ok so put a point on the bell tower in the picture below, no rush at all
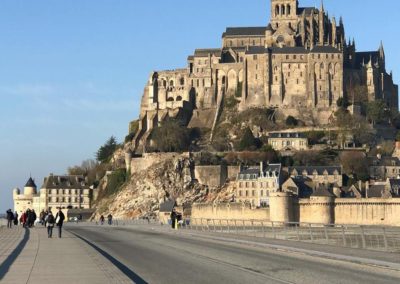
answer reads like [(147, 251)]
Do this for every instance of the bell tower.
[(284, 12)]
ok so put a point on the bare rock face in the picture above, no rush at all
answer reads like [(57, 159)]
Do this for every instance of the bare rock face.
[(143, 193)]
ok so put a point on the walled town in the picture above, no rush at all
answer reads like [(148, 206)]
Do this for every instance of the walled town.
[(287, 122)]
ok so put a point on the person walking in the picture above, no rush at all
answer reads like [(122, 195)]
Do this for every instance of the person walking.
[(16, 218), (60, 217), (10, 218), (109, 218), (101, 220), (23, 219), (173, 218), (50, 224)]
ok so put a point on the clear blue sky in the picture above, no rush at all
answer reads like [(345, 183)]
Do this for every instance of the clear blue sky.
[(72, 72)]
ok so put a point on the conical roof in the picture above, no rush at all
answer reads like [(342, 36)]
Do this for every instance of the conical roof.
[(30, 183)]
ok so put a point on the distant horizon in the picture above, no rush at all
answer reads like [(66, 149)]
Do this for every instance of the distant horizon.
[(73, 72)]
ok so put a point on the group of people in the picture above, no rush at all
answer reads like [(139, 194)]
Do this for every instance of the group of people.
[(28, 218), (12, 218), (109, 219)]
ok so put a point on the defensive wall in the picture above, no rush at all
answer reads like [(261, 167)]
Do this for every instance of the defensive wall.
[(317, 210)]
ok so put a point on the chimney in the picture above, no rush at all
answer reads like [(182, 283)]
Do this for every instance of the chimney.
[(367, 189), (261, 168)]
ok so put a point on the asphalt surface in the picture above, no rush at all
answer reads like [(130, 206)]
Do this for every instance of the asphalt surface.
[(155, 257)]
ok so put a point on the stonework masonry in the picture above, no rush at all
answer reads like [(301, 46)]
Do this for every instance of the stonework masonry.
[(300, 64), (285, 208)]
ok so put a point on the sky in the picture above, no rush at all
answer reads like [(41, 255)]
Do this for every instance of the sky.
[(72, 72)]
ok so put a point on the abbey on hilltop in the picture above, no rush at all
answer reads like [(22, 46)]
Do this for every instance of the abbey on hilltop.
[(299, 64)]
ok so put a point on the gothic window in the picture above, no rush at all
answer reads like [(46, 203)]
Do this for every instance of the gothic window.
[(288, 10), (182, 81), (277, 10), (283, 10), (171, 83)]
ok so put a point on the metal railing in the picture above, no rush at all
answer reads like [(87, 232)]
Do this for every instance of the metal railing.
[(351, 236)]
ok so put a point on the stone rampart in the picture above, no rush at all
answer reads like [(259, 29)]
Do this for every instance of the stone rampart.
[(228, 211), (149, 159)]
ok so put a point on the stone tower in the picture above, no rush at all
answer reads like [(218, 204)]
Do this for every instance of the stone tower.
[(30, 188), (284, 12)]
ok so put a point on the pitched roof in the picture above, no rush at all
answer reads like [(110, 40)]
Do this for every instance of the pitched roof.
[(384, 161), (376, 191), (289, 50), (321, 191), (256, 50), (325, 49), (319, 169), (307, 10), (254, 171), (65, 182), (167, 206), (287, 135), (206, 51), (30, 183), (305, 186), (244, 31)]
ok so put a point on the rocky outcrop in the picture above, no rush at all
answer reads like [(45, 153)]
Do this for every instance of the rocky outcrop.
[(172, 178)]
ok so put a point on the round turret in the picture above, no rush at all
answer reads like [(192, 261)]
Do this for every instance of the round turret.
[(281, 207), (16, 191), (30, 187), (322, 207)]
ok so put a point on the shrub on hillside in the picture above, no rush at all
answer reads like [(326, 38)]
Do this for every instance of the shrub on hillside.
[(291, 121), (171, 136)]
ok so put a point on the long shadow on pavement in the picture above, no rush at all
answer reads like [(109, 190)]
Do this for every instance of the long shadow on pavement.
[(129, 273), (5, 266)]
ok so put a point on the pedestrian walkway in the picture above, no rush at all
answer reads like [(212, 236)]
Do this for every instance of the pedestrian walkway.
[(28, 256)]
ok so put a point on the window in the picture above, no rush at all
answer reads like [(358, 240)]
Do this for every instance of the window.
[(253, 193), (240, 185), (262, 193), (247, 193), (254, 57)]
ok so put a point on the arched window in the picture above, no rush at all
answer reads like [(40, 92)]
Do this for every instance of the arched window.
[(283, 10), (171, 83), (288, 10), (276, 10), (182, 81)]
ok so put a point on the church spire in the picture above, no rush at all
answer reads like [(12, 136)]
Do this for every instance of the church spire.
[(381, 51), (322, 6)]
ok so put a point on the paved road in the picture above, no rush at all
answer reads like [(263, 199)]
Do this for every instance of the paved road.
[(157, 257)]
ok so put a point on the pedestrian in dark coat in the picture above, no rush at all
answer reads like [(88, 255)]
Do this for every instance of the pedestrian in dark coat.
[(10, 218), (16, 218), (173, 218), (60, 217), (50, 221)]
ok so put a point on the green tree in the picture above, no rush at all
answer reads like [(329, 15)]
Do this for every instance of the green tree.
[(248, 142), (355, 164), (171, 136), (106, 151), (377, 111), (291, 121)]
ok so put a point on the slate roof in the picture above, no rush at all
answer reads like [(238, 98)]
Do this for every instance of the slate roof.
[(325, 49), (254, 172), (384, 161), (65, 182), (287, 135), (305, 186), (30, 183), (167, 206), (206, 51), (289, 50), (321, 191), (320, 170), (256, 50), (376, 191), (244, 31), (307, 10)]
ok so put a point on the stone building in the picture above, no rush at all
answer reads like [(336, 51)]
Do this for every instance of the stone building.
[(254, 184), (288, 141), (382, 168), (67, 192), (300, 64), (327, 175)]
